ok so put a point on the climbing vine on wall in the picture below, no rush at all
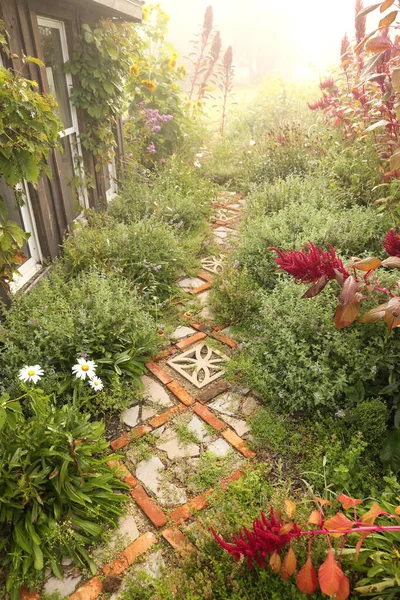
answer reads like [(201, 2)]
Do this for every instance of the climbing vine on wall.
[(100, 62), (29, 128)]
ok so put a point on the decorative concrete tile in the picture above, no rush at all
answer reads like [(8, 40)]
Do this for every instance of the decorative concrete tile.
[(221, 233), (189, 283), (155, 392), (224, 214), (151, 472), (131, 416), (228, 404), (65, 587), (175, 449), (181, 332), (212, 264), (127, 528), (220, 447), (235, 205), (238, 425), (250, 406), (197, 426), (200, 365)]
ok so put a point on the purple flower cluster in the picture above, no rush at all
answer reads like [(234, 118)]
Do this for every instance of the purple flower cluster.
[(151, 148), (154, 119)]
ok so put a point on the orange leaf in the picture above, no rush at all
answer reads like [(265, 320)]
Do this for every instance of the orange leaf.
[(315, 518), (289, 564), (346, 315), (372, 514), (339, 521), (329, 575), (385, 5), (344, 589), (307, 578), (321, 501), (377, 44), (360, 543), (366, 264), (290, 508), (392, 314), (388, 19), (374, 314), (278, 515), (275, 562), (397, 510), (348, 502), (286, 529), (392, 261)]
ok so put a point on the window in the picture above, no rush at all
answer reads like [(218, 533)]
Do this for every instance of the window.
[(54, 47)]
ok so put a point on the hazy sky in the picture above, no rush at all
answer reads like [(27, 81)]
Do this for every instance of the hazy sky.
[(286, 37)]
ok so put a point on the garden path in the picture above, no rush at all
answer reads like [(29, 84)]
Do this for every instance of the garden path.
[(191, 422)]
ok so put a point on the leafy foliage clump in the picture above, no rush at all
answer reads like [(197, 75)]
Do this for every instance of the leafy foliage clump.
[(57, 492)]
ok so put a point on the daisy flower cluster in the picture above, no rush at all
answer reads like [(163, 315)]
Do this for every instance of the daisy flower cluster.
[(83, 369)]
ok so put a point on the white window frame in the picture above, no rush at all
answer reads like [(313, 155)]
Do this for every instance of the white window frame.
[(112, 174), (33, 264), (76, 151)]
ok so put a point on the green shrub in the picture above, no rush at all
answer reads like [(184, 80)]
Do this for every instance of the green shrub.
[(92, 315), (298, 360), (370, 418), (234, 294), (57, 492), (147, 252)]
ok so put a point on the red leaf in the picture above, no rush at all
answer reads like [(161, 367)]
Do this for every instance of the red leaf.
[(344, 589), (315, 518), (275, 562), (290, 508), (346, 315), (289, 564), (329, 575), (371, 515), (307, 578), (348, 502), (317, 287), (339, 521)]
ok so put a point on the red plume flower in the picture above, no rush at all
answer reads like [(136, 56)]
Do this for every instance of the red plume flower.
[(264, 540), (311, 263), (322, 103), (391, 243)]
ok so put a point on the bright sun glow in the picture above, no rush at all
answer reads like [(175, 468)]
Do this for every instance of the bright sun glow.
[(296, 39)]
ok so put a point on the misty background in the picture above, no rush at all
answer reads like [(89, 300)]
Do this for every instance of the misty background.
[(294, 39)]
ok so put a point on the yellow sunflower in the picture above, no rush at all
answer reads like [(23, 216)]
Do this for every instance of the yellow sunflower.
[(135, 70), (149, 84)]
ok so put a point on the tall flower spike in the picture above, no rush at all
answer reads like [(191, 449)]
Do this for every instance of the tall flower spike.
[(391, 243), (360, 21), (310, 264)]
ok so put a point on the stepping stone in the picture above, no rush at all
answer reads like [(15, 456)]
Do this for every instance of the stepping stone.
[(150, 472), (221, 234), (154, 565), (207, 314), (203, 297), (131, 416), (155, 392), (176, 449), (182, 332), (227, 331), (200, 365), (197, 426), (148, 412), (127, 528), (220, 447), (250, 406), (65, 587), (238, 425), (188, 283), (228, 404)]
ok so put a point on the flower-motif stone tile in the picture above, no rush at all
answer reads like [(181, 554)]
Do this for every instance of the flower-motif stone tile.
[(224, 214), (200, 365), (212, 264)]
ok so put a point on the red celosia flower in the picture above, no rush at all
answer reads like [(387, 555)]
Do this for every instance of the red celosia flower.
[(322, 103), (391, 243), (327, 84), (262, 541), (311, 263)]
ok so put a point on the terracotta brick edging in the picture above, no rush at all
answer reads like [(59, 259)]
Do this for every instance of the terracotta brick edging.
[(122, 473), (148, 506), (165, 416), (201, 288), (88, 591), (178, 541), (207, 416), (127, 556), (184, 512), (237, 442), (193, 339), (224, 339), (182, 395), (158, 372), (130, 436)]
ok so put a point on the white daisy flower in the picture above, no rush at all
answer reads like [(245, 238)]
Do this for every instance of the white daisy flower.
[(199, 155), (84, 368), (96, 384), (252, 143), (32, 373), (197, 163)]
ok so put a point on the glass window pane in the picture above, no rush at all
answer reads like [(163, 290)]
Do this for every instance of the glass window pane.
[(71, 197), (53, 57)]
